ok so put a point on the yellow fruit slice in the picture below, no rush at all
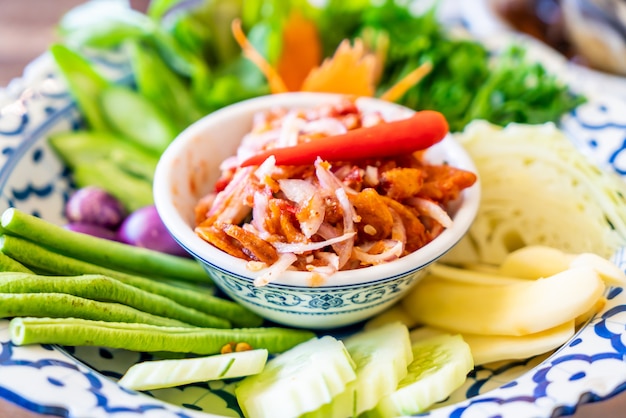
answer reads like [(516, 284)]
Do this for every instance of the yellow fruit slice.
[(471, 276), (516, 309)]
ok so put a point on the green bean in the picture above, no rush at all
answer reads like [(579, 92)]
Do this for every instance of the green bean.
[(149, 338), (61, 305), (37, 257), (114, 255), (9, 264), (106, 289)]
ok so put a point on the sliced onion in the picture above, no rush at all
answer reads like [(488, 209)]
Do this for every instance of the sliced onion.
[(259, 212), (229, 203), (327, 126), (372, 176), (344, 250), (290, 131), (308, 201), (297, 190), (254, 142), (431, 209), (331, 259), (284, 261), (302, 247), (393, 251), (398, 231), (327, 180), (266, 168)]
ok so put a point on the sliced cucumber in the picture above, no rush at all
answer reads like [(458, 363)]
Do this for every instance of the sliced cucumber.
[(382, 356), (297, 381), (440, 366), (168, 373)]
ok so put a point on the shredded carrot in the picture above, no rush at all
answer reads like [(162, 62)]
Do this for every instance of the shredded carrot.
[(301, 51), (276, 83), (397, 90), (349, 71), (352, 70)]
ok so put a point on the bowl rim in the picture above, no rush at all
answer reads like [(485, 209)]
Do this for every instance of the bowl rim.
[(204, 252)]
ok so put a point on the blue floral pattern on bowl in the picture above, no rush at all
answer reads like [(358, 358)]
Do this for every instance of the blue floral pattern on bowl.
[(342, 302)]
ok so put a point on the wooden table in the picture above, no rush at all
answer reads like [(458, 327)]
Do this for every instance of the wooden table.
[(27, 27)]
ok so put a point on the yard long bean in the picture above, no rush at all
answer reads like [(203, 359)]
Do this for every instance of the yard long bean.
[(38, 257), (9, 264), (149, 338), (106, 289), (100, 251), (61, 305)]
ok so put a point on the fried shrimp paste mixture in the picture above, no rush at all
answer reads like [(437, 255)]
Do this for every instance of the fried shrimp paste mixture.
[(325, 217)]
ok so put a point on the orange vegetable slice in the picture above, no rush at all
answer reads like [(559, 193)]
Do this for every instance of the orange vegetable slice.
[(276, 83), (301, 52), (350, 71), (397, 90)]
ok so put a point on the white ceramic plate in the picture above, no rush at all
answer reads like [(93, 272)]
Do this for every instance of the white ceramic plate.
[(81, 381)]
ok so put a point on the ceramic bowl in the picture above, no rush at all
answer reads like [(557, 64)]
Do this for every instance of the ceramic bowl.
[(188, 170)]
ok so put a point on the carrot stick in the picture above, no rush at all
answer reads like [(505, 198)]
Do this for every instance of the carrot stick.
[(277, 85), (418, 132), (397, 90)]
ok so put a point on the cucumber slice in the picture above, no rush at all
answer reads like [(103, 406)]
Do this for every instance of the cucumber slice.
[(441, 364), (168, 373), (297, 381), (382, 356)]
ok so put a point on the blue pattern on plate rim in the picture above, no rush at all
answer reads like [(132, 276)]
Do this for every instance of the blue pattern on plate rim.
[(81, 381)]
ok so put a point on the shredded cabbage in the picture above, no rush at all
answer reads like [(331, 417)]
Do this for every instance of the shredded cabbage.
[(537, 188)]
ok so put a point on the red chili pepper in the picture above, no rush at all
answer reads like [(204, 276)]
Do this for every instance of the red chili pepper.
[(418, 132)]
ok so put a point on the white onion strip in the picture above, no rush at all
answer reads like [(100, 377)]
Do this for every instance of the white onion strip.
[(392, 252), (282, 264), (302, 247), (432, 210)]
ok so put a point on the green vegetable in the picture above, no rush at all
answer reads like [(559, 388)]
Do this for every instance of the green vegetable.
[(159, 84), (298, 381), (137, 118), (149, 338), (159, 374), (84, 82), (106, 289), (186, 294), (381, 356), (441, 364), (89, 147), (132, 191), (62, 305), (103, 25), (9, 264), (100, 251), (520, 91), (463, 84)]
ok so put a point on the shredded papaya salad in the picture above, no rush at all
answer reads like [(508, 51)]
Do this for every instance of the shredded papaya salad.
[(330, 188)]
